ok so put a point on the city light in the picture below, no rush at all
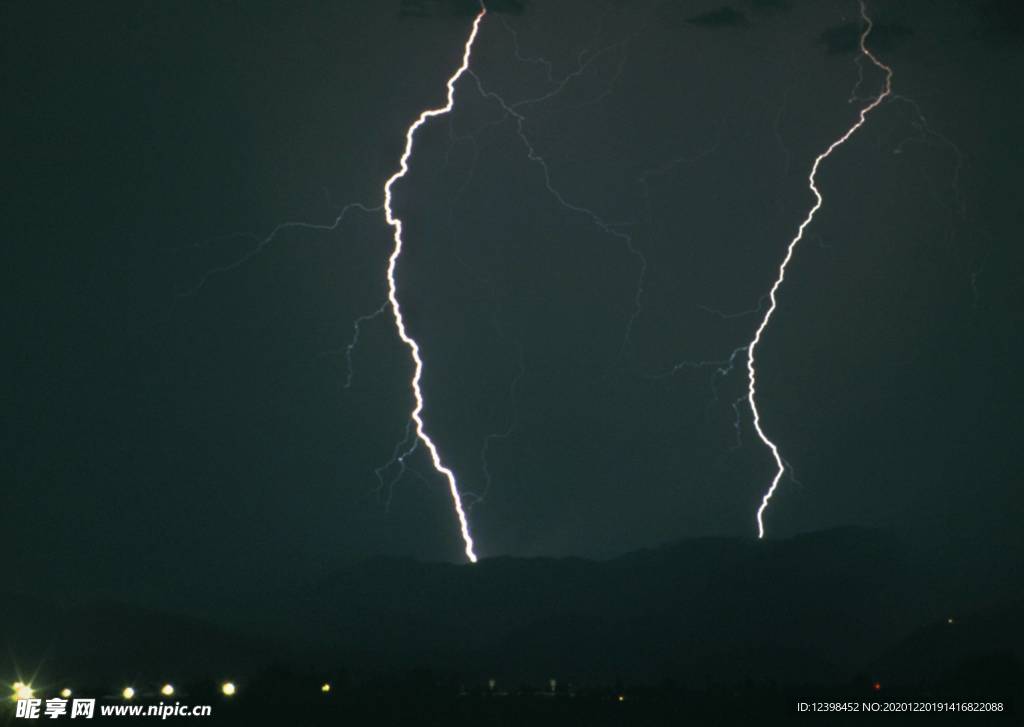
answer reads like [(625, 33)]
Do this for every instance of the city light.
[(167, 690), (128, 693), (22, 691), (325, 687), (65, 692), (227, 689)]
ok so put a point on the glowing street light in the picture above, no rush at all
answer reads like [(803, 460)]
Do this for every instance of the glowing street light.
[(65, 692), (22, 691), (167, 690), (325, 687), (128, 693), (227, 689)]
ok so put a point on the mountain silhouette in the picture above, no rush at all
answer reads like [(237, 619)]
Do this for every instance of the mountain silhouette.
[(821, 608)]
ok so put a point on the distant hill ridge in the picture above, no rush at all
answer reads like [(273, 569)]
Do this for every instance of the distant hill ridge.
[(814, 608)]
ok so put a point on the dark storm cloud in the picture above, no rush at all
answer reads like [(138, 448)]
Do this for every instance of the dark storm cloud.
[(1001, 20), (770, 6), (511, 7), (458, 8), (845, 38), (723, 17)]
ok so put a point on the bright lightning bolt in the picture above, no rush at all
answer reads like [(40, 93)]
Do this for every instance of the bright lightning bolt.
[(780, 465), (414, 349)]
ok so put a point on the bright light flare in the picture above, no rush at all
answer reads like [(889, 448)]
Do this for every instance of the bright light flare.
[(167, 690), (128, 693), (227, 689), (751, 375), (65, 693), (325, 687), (22, 691), (414, 349)]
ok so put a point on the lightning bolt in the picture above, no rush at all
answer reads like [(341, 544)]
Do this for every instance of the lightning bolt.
[(780, 465), (414, 349)]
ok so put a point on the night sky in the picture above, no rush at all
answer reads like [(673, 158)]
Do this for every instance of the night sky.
[(177, 425)]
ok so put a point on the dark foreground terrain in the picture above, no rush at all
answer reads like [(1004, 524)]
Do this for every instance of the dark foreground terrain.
[(709, 631), (276, 699)]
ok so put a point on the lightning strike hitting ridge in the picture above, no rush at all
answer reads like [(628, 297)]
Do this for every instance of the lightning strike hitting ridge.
[(414, 349), (780, 465)]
